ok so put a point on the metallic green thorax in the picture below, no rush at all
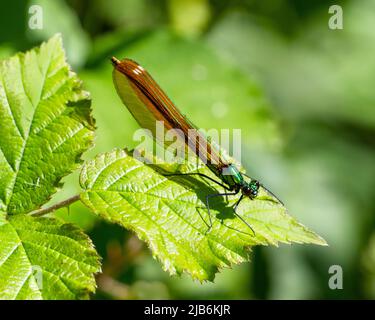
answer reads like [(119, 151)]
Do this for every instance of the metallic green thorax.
[(235, 181), (231, 176)]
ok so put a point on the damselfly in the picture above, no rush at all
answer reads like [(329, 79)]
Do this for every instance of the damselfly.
[(148, 104)]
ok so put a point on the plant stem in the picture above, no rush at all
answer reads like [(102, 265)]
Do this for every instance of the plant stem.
[(65, 203)]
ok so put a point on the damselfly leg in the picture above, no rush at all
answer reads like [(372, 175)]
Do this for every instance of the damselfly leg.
[(226, 194)]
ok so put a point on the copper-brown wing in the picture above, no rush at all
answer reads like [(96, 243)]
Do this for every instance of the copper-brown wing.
[(148, 104)]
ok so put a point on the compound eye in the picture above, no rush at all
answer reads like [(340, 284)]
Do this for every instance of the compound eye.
[(254, 187)]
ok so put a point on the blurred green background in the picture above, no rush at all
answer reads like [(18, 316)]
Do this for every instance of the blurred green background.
[(302, 94)]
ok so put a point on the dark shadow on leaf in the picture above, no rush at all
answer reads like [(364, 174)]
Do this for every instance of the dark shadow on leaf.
[(202, 188)]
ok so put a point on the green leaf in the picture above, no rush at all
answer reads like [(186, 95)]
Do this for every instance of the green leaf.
[(165, 212), (45, 126), (42, 258)]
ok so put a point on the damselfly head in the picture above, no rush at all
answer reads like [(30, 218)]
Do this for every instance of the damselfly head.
[(251, 189)]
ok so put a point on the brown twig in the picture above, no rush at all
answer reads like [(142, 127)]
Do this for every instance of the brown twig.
[(65, 203)]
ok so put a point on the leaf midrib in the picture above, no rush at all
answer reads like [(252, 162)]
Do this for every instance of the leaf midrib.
[(29, 261), (25, 140), (21, 243)]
